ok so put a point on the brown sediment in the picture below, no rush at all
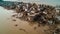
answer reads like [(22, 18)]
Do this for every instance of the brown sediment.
[(37, 13)]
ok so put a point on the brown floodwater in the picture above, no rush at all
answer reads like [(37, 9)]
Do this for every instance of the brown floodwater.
[(10, 25)]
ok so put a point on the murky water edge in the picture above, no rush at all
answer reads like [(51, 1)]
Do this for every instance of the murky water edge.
[(7, 26), (10, 26)]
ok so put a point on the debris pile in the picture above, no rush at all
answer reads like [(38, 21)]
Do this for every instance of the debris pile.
[(37, 13), (57, 31), (40, 13)]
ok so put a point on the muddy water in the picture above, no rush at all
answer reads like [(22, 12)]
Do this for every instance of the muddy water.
[(8, 26)]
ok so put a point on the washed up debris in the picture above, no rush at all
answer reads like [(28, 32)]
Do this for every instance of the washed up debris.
[(57, 31), (59, 13), (37, 13), (51, 29), (32, 12)]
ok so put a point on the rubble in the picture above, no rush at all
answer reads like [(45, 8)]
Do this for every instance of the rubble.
[(36, 13), (32, 12), (57, 31)]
